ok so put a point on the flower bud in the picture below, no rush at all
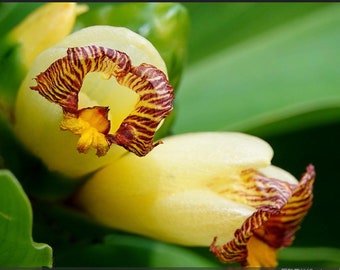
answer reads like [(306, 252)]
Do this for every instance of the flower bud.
[(44, 27), (41, 29), (73, 93), (196, 187)]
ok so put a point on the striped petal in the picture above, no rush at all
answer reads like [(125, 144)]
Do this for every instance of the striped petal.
[(38, 120), (198, 186), (61, 83), (281, 207)]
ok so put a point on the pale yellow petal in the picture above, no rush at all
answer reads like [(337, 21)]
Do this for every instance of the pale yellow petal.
[(278, 173), (169, 194), (195, 217)]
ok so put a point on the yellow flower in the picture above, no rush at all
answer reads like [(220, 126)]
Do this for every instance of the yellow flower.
[(204, 189), (72, 92), (40, 30), (104, 91), (44, 27)]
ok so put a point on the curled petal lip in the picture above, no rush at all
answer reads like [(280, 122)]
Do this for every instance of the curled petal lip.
[(62, 81), (37, 120), (279, 214)]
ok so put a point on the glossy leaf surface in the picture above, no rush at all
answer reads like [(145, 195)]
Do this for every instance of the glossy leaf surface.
[(17, 247)]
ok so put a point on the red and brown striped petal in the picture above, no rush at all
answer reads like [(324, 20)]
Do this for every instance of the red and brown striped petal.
[(281, 208), (62, 81)]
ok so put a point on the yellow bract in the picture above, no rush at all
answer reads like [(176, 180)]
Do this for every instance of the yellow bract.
[(44, 27)]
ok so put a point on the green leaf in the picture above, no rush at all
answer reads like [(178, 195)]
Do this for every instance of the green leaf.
[(159, 254), (9, 87), (133, 251), (235, 23), (10, 78), (12, 13), (16, 246), (284, 78), (79, 241), (309, 257), (32, 173)]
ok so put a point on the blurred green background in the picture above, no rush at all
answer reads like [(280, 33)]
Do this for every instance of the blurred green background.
[(272, 70), (268, 69)]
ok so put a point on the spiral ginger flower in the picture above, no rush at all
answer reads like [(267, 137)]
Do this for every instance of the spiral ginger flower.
[(91, 104), (204, 189), (73, 92)]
